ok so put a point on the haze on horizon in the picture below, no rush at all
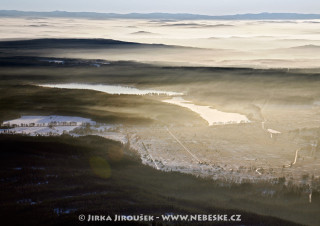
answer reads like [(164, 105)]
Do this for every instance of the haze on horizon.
[(217, 43), (207, 7)]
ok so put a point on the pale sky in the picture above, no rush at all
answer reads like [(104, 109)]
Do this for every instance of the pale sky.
[(208, 7)]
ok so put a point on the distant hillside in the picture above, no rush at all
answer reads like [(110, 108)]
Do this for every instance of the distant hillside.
[(72, 43), (306, 47), (183, 16)]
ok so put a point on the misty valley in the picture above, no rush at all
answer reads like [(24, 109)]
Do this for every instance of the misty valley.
[(90, 124)]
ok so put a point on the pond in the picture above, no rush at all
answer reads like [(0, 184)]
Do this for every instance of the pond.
[(212, 116), (112, 89)]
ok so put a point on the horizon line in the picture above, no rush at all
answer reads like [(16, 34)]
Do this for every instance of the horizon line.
[(157, 12)]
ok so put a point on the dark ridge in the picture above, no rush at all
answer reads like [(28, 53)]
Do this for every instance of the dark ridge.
[(47, 43), (307, 47), (63, 43), (67, 43)]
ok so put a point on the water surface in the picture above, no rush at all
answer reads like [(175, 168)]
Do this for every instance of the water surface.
[(112, 89), (212, 116)]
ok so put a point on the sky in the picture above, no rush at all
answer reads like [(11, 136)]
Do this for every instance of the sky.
[(207, 7)]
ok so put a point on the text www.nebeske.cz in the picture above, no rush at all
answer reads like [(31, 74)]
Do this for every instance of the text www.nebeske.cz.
[(167, 217)]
